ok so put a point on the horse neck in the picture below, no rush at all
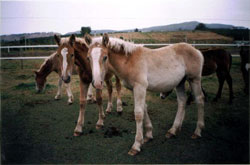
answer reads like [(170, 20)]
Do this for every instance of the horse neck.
[(47, 68), (83, 64), (118, 63)]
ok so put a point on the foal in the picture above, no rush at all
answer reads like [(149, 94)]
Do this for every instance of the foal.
[(143, 69), (72, 51), (49, 65)]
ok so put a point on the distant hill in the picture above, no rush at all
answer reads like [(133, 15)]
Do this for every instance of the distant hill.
[(185, 26), (18, 37)]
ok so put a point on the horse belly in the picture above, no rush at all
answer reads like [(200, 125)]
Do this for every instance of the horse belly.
[(166, 79)]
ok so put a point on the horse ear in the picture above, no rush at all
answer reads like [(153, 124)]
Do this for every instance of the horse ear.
[(105, 39), (72, 39), (88, 39), (57, 39)]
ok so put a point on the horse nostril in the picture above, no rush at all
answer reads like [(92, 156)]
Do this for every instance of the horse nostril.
[(101, 82)]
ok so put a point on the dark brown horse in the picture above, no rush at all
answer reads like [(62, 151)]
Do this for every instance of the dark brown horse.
[(217, 61), (244, 54)]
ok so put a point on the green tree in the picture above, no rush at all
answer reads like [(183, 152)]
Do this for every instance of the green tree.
[(201, 26), (85, 30)]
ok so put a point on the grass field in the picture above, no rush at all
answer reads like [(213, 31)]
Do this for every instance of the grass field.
[(38, 129)]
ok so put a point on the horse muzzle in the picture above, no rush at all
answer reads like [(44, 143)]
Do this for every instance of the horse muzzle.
[(66, 79), (97, 84)]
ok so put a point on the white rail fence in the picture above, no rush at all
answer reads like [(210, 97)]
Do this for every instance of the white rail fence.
[(55, 46)]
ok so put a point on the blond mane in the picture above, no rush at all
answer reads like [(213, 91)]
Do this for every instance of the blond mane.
[(118, 45)]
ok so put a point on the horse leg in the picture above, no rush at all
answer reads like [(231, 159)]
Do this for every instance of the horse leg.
[(221, 78), (90, 97), (190, 99), (230, 85), (101, 115), (83, 95), (199, 98), (139, 101), (204, 93), (110, 90), (69, 93), (245, 76), (181, 98), (119, 100), (59, 91), (148, 126)]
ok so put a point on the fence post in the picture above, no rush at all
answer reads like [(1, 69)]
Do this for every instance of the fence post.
[(21, 59)]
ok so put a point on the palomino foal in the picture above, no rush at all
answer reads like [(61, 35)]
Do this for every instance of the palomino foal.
[(51, 64), (143, 69), (74, 50)]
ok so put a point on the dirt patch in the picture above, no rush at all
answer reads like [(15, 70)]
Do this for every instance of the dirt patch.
[(112, 131)]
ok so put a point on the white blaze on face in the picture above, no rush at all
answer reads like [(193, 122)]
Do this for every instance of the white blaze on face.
[(96, 54), (64, 53)]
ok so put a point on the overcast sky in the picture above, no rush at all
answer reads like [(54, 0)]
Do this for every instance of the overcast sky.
[(68, 16)]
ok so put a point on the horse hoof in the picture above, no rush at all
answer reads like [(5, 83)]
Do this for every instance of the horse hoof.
[(108, 112), (119, 113), (57, 98), (124, 104), (133, 152), (70, 103), (194, 136), (77, 134), (169, 135), (99, 127), (215, 100), (146, 139)]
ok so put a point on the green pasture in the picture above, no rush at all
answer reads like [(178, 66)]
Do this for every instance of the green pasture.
[(36, 129)]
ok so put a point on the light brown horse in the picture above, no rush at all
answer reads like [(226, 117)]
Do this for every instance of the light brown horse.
[(143, 69), (72, 51), (51, 64)]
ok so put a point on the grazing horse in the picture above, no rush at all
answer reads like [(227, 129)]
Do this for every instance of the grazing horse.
[(52, 64), (49, 65), (143, 69), (72, 51), (244, 54), (219, 61)]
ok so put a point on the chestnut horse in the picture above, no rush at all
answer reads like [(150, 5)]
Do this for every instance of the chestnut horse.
[(72, 51), (217, 61), (49, 65), (52, 64), (143, 69)]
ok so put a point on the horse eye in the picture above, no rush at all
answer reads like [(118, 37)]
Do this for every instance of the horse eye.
[(72, 55), (105, 58), (57, 55)]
